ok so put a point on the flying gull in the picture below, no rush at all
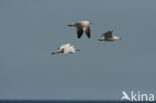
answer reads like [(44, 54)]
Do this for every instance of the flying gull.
[(66, 49), (82, 26), (107, 36)]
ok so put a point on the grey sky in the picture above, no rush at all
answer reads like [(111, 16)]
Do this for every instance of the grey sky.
[(31, 29)]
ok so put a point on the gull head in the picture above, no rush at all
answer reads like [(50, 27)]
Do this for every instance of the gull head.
[(116, 38)]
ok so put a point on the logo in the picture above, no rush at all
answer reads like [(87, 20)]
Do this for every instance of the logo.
[(137, 96)]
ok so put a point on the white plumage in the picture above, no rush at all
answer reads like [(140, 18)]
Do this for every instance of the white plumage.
[(66, 49)]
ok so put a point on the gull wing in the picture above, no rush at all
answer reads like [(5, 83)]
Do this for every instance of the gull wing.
[(87, 31), (79, 32), (108, 34)]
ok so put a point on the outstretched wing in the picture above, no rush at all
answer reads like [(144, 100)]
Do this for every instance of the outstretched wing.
[(79, 32), (108, 34), (87, 31)]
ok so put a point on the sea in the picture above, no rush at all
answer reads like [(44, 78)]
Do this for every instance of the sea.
[(66, 101)]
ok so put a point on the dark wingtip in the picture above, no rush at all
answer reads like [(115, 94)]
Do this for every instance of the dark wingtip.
[(78, 37), (88, 36)]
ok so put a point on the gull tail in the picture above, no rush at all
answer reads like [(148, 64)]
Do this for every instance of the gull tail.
[(70, 25), (101, 39), (54, 53), (77, 49), (102, 35)]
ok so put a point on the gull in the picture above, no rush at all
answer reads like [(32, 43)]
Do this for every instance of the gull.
[(107, 36), (66, 49), (82, 26)]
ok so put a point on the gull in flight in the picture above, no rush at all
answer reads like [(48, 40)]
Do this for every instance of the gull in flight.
[(107, 36), (66, 49), (82, 26)]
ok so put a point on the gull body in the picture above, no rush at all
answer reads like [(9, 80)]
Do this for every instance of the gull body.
[(107, 36), (66, 49), (82, 26)]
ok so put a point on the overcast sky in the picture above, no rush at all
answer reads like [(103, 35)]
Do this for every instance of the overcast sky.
[(31, 29)]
